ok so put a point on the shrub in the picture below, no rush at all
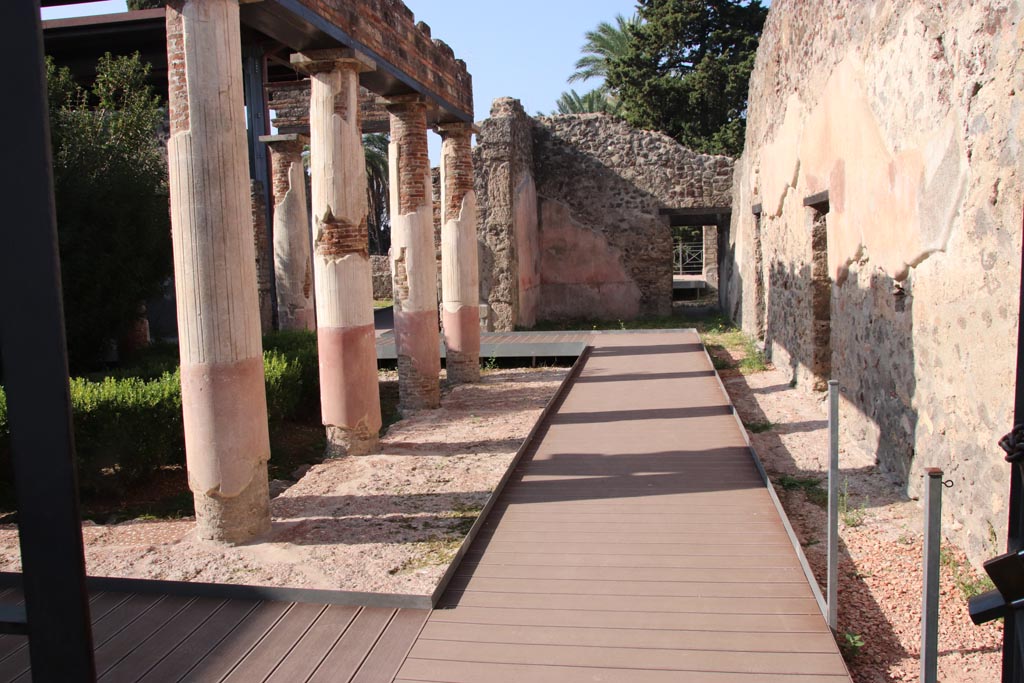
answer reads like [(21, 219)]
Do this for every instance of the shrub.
[(127, 426), (299, 347)]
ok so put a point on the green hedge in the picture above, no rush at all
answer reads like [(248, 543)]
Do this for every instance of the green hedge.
[(128, 426)]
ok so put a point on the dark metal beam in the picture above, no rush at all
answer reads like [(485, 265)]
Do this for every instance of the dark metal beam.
[(1013, 628), (32, 344), (818, 202)]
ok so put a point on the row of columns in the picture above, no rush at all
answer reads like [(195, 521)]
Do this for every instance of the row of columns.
[(223, 394)]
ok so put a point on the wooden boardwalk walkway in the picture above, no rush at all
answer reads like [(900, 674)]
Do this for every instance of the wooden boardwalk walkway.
[(635, 542)]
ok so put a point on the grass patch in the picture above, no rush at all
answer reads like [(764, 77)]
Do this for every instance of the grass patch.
[(730, 348), (383, 303), (967, 581), (430, 553), (852, 516), (811, 487), (759, 426)]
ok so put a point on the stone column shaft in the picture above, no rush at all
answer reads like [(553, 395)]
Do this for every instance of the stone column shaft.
[(293, 261), (413, 259), (349, 392), (460, 274), (222, 389)]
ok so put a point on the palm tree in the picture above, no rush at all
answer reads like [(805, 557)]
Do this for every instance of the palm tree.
[(378, 221), (592, 102), (603, 43)]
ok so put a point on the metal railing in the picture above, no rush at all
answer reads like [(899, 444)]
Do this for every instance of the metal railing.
[(688, 258)]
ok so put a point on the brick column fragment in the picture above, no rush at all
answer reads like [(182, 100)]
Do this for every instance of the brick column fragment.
[(293, 263), (349, 393), (413, 259), (460, 273), (222, 389)]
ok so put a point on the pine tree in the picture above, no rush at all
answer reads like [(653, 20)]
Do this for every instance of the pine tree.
[(687, 69)]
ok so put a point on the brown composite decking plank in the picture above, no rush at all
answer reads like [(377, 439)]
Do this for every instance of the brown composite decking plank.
[(711, 589), (261, 660), (113, 623), (306, 656), (387, 655), (640, 537), (636, 574), (433, 671), (724, 549), (806, 663), (672, 621), (344, 660), (16, 662), (644, 524), (126, 640), (240, 640), (200, 642), (160, 642), (736, 641), (634, 603), (601, 560)]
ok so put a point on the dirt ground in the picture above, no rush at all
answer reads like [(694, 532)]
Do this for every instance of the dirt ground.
[(387, 523), (881, 542)]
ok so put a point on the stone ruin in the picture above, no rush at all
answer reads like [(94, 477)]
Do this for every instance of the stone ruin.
[(572, 222), (876, 231), (223, 275)]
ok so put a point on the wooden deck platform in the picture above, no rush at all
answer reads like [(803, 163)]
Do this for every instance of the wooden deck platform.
[(635, 542)]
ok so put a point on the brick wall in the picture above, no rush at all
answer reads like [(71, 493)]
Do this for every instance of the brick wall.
[(389, 28)]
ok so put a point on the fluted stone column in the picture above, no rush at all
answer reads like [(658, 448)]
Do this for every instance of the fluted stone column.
[(349, 394), (293, 263), (413, 258), (460, 275), (222, 389)]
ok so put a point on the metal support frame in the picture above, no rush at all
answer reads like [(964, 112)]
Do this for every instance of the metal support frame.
[(32, 342), (832, 584), (930, 590), (1013, 630)]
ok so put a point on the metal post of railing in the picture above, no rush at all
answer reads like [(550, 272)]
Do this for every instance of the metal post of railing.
[(832, 587), (930, 602)]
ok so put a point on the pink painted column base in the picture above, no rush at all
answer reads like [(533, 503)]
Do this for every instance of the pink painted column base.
[(226, 438), (462, 342), (417, 341), (348, 389)]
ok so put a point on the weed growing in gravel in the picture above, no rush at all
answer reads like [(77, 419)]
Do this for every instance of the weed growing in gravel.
[(851, 645), (811, 487), (851, 516), (966, 580), (759, 426)]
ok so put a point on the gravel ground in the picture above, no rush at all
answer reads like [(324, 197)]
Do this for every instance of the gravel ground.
[(387, 523), (881, 543)]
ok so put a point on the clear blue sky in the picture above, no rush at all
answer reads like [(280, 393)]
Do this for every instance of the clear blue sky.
[(523, 49)]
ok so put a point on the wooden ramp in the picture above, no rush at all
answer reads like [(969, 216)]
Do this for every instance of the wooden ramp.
[(636, 542)]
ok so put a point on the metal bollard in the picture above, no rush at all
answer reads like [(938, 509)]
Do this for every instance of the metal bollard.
[(832, 587), (930, 602)]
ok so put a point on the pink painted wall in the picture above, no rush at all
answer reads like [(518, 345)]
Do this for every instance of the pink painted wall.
[(583, 276)]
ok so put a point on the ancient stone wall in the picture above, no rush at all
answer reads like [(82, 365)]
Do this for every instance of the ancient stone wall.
[(503, 163), (264, 258), (381, 266), (909, 115), (571, 226)]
